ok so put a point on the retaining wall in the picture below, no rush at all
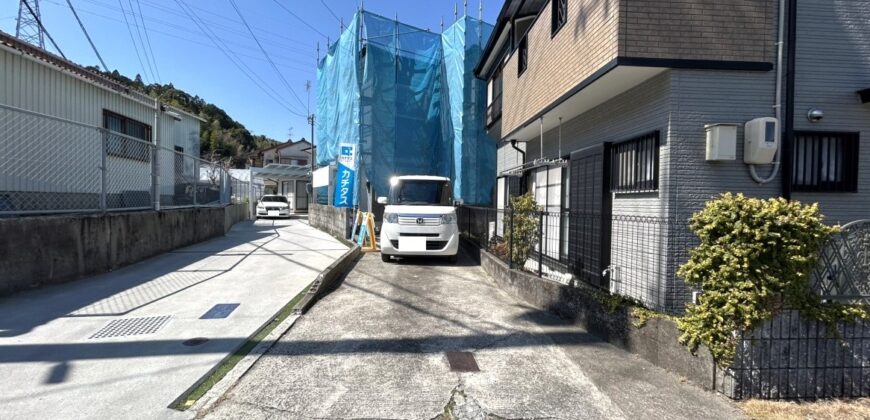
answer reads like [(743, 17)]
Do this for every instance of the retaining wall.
[(656, 341), (56, 249), (337, 222)]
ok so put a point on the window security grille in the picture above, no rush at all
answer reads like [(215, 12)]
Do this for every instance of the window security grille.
[(559, 15), (635, 165), (825, 162)]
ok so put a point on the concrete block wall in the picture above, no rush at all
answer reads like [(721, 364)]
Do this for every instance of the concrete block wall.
[(56, 249), (337, 222)]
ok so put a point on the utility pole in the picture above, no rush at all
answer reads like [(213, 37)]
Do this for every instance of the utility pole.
[(28, 28)]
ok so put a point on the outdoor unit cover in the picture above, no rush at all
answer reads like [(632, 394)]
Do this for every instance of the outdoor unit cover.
[(721, 141), (761, 138)]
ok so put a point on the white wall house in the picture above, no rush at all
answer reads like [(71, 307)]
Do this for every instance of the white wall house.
[(296, 153), (55, 119)]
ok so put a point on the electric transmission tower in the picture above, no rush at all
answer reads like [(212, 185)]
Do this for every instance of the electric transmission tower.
[(29, 27)]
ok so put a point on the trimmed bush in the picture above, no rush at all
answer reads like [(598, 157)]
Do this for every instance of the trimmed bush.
[(755, 258)]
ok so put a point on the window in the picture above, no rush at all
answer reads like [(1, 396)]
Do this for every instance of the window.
[(523, 57), (494, 89), (559, 15), (126, 146), (179, 160), (635, 165), (825, 162), (420, 193)]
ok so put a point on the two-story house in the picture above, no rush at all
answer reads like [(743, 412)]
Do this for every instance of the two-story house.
[(618, 111)]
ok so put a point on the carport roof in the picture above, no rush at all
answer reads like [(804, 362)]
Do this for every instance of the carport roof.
[(282, 171)]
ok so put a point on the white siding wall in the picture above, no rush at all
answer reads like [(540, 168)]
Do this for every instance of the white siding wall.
[(45, 89)]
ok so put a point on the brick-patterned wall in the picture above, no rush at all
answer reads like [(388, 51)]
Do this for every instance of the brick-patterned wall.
[(735, 30), (597, 31), (586, 42)]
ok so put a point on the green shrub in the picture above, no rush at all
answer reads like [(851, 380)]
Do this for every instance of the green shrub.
[(524, 231), (756, 257)]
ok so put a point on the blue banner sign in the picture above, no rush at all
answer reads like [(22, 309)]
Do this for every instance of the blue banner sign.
[(345, 176)]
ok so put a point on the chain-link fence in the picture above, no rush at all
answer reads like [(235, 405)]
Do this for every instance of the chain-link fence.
[(52, 165)]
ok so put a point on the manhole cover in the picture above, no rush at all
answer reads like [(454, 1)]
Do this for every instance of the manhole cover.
[(462, 361), (195, 341), (132, 326)]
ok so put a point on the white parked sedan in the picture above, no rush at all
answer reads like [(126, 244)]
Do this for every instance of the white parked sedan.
[(273, 206)]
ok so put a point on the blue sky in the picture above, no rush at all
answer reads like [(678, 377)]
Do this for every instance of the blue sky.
[(185, 56)]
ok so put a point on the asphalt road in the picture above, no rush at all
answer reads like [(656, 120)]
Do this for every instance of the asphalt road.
[(376, 349)]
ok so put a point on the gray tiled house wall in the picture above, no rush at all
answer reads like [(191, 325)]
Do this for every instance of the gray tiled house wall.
[(702, 97), (622, 118), (833, 63)]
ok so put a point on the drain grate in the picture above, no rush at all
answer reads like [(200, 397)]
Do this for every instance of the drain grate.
[(132, 326), (462, 361)]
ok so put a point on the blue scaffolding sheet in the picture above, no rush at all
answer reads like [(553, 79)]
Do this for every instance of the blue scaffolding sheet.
[(408, 99)]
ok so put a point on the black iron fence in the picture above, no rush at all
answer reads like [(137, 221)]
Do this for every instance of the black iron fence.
[(790, 357), (633, 256)]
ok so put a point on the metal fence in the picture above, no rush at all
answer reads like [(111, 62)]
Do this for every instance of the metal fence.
[(791, 357), (633, 256), (52, 165)]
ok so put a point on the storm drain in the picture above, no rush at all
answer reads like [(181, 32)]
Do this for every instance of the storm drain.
[(462, 361), (132, 326)]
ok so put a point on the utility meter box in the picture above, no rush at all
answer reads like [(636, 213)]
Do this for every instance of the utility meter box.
[(761, 138), (721, 141)]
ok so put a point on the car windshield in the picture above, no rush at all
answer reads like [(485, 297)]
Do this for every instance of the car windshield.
[(420, 193), (275, 199)]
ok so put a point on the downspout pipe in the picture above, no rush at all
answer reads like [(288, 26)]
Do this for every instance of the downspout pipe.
[(522, 158), (777, 160), (521, 151), (789, 100)]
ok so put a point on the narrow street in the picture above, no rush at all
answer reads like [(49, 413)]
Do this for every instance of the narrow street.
[(376, 348), (116, 345)]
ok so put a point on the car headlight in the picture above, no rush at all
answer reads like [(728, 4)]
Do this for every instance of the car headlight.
[(260, 205), (448, 218), (391, 217)]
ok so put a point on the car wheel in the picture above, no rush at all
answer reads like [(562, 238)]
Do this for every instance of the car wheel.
[(385, 257), (452, 259)]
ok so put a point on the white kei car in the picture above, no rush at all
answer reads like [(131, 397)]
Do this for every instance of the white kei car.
[(419, 219)]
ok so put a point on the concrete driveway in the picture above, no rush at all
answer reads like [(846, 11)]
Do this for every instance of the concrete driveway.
[(111, 346), (376, 349)]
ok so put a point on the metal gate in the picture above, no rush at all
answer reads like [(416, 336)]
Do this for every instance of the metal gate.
[(590, 214)]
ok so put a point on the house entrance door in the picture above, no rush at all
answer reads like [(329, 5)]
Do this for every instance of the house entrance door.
[(590, 214)]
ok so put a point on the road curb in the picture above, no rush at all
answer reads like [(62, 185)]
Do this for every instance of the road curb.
[(328, 279), (322, 285), (214, 395)]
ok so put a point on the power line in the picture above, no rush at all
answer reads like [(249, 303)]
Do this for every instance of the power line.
[(41, 26), (212, 23), (85, 31), (265, 54), (141, 42), (163, 21), (240, 65), (300, 19), (148, 40), (288, 62), (330, 11), (132, 39)]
